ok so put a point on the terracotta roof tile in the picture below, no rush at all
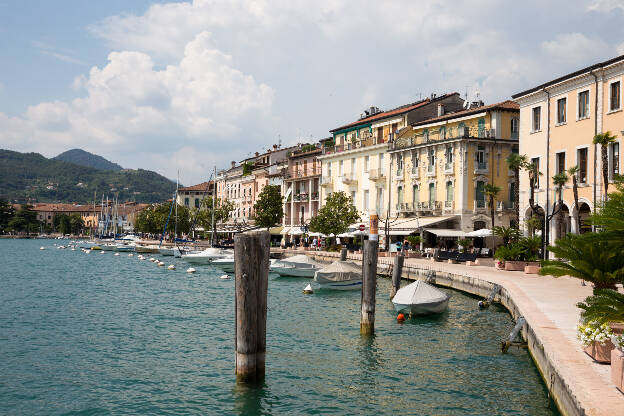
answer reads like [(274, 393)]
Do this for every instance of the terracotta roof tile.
[(504, 105), (197, 188)]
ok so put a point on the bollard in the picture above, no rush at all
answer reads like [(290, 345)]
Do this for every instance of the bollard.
[(369, 286), (343, 254), (251, 253), (397, 271)]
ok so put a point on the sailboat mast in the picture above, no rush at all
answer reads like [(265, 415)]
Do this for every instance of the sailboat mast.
[(175, 201), (214, 188)]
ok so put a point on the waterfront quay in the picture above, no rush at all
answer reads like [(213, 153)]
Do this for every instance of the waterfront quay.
[(578, 385)]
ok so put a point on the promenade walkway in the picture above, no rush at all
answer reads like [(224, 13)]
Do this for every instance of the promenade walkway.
[(548, 304)]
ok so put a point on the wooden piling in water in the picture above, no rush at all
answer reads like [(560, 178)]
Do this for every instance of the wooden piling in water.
[(343, 254), (369, 287), (397, 271), (251, 266)]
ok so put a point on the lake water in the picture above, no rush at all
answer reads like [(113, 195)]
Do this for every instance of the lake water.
[(95, 334)]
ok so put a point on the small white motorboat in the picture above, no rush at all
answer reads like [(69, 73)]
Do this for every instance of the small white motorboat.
[(420, 298), (142, 248), (340, 275), (226, 264), (125, 247), (206, 256), (297, 266), (170, 251)]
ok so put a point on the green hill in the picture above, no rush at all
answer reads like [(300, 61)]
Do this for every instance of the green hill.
[(84, 158), (31, 176)]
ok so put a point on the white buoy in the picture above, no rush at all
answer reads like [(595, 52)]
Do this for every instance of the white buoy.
[(116, 254), (152, 259), (42, 248), (171, 267), (190, 270), (73, 249), (160, 263), (224, 277), (101, 251), (308, 290), (130, 255)]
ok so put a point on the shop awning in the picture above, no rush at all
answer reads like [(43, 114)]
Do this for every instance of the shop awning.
[(296, 231), (285, 230), (405, 226), (276, 230), (443, 232)]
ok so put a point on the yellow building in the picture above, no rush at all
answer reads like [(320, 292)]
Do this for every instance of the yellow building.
[(440, 166), (356, 162), (558, 121)]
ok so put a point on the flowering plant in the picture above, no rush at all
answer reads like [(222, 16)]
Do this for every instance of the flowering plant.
[(593, 332)]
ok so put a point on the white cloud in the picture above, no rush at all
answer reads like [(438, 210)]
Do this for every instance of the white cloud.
[(605, 5), (575, 47), (58, 53)]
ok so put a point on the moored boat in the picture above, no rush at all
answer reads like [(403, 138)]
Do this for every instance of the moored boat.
[(340, 275), (297, 266), (206, 256), (420, 298)]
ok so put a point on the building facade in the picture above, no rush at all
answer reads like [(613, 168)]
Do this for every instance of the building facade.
[(558, 121), (192, 196), (358, 162), (439, 169)]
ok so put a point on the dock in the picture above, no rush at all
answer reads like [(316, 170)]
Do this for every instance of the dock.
[(577, 384)]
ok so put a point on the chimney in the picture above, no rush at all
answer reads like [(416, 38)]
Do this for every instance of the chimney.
[(275, 147), (233, 163), (440, 110), (257, 154)]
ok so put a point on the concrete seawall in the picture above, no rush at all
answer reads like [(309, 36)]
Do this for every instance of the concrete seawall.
[(577, 384)]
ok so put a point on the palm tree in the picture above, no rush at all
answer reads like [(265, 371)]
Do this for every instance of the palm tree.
[(534, 174), (508, 234), (573, 172), (587, 257), (604, 307), (604, 140), (515, 162), (491, 191)]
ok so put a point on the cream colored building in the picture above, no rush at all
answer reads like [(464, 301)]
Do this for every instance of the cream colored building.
[(558, 121), (440, 166), (358, 163)]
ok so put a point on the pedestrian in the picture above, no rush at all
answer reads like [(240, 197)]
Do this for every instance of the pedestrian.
[(314, 243)]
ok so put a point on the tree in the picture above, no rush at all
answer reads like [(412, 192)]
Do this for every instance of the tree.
[(76, 223), (6, 213), (268, 208), (62, 223), (491, 191), (610, 217), (573, 172), (604, 140), (154, 218), (335, 216), (25, 219), (515, 162), (222, 210), (508, 234), (588, 257)]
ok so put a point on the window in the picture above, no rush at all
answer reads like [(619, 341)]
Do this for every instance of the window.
[(480, 194), (615, 159), (186, 202), (449, 155), (512, 192), (399, 163), (400, 195), (340, 166), (536, 162), (449, 191), (442, 133), (196, 203), (432, 195), (329, 169), (353, 167), (381, 163), (515, 126), (561, 110), (582, 165), (614, 94), (365, 202), (560, 162), (481, 158), (380, 201), (426, 134), (583, 105), (432, 157), (379, 134), (366, 163), (415, 196), (414, 161), (353, 195), (537, 112)]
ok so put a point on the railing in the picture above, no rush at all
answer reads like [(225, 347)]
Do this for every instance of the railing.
[(326, 180), (315, 196), (449, 204), (302, 197), (480, 204), (448, 134), (303, 173), (349, 179), (376, 174), (364, 141), (503, 205), (481, 166), (415, 173), (428, 206)]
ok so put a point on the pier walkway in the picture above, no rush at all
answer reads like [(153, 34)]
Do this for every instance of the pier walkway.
[(579, 385)]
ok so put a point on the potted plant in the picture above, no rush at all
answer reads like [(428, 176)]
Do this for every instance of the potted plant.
[(596, 340), (414, 241), (617, 362)]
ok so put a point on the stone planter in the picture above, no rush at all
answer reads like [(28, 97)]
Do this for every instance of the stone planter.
[(617, 368), (532, 267), (600, 352), (514, 266), (499, 265)]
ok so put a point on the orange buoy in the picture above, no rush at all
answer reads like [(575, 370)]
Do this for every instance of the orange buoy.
[(400, 317)]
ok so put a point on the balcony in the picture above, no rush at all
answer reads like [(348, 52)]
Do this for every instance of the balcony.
[(314, 196), (303, 173), (448, 167), (431, 171), (448, 134), (481, 167), (415, 173), (365, 140), (428, 206), (449, 205), (480, 205), (376, 175), (349, 179), (404, 207), (505, 205), (326, 180), (301, 197)]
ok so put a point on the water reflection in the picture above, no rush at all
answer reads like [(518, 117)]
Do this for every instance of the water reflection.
[(252, 399)]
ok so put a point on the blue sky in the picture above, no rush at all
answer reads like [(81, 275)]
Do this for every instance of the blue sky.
[(187, 85)]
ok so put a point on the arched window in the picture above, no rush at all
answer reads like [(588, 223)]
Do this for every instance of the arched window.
[(415, 196), (432, 193), (480, 194), (479, 225), (449, 191), (400, 195)]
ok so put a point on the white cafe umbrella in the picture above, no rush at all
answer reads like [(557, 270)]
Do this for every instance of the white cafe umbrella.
[(484, 232)]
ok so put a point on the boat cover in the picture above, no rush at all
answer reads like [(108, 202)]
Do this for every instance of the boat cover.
[(418, 292), (301, 259), (340, 271)]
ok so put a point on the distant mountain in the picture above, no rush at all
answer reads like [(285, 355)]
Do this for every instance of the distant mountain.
[(30, 176), (84, 158)]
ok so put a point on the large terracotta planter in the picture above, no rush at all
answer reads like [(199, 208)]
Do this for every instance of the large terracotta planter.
[(617, 368), (532, 268), (514, 266), (499, 265), (600, 352)]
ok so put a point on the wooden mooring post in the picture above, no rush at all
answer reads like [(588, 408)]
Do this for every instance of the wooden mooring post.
[(369, 287), (397, 271), (343, 254), (251, 266)]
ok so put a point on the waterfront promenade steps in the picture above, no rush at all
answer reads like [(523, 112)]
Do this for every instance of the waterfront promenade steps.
[(579, 385)]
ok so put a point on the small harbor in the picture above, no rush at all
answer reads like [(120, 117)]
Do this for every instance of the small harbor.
[(101, 333)]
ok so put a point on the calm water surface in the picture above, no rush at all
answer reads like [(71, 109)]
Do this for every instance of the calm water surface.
[(95, 334)]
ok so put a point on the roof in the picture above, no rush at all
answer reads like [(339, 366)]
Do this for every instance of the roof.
[(570, 75), (199, 187), (507, 105), (396, 111)]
